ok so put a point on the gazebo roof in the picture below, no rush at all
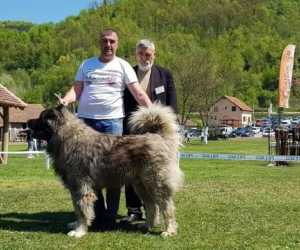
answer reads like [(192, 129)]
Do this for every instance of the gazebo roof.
[(8, 98), (32, 111)]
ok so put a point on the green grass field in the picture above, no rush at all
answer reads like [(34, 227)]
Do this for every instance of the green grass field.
[(224, 205)]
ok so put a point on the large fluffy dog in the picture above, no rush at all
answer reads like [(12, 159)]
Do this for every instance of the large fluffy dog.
[(87, 160)]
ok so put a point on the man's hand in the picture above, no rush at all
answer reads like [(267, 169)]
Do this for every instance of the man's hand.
[(139, 94)]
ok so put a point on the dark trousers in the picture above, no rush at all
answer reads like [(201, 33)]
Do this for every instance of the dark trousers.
[(133, 202), (107, 213)]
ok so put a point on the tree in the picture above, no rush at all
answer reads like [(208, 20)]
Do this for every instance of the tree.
[(196, 83)]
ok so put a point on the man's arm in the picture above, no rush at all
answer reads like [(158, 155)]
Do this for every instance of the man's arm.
[(73, 94), (171, 92), (139, 94)]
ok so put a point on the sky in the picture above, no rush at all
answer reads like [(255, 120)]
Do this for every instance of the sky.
[(41, 11)]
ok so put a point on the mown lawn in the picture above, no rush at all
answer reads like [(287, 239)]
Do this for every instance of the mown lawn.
[(224, 205)]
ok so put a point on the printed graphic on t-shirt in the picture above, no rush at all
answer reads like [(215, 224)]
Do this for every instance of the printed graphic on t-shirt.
[(103, 77)]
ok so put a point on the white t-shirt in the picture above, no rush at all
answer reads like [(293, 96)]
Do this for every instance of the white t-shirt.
[(103, 87)]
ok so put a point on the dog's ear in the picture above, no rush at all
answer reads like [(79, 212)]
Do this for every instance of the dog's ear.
[(53, 117)]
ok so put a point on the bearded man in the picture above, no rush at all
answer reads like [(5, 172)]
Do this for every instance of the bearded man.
[(158, 83)]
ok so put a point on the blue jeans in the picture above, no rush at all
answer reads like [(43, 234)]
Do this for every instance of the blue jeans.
[(114, 127), (107, 126)]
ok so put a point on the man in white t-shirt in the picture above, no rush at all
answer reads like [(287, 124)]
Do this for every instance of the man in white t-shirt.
[(99, 86)]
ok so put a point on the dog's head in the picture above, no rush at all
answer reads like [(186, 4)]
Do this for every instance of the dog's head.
[(48, 123)]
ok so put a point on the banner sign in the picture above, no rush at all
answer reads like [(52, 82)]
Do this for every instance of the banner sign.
[(285, 76)]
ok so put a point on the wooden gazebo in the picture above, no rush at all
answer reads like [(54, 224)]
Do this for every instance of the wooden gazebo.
[(7, 100)]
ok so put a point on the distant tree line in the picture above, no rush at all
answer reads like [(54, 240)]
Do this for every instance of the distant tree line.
[(213, 47)]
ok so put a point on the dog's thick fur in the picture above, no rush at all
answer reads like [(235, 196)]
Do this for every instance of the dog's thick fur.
[(87, 160)]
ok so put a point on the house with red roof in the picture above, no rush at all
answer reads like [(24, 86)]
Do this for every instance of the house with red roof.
[(14, 114), (229, 111), (18, 120)]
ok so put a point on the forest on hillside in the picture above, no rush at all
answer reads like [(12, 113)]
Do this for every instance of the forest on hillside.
[(213, 47)]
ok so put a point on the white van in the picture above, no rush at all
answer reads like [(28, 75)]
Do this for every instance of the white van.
[(225, 131)]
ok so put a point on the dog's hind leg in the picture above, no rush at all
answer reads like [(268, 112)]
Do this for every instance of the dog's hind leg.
[(168, 210), (84, 209), (153, 210), (150, 210), (156, 215)]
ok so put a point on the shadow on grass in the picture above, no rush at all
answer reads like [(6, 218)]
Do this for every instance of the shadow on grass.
[(52, 222), (137, 227), (56, 222)]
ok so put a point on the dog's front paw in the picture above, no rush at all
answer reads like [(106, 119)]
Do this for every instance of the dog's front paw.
[(77, 233), (168, 234)]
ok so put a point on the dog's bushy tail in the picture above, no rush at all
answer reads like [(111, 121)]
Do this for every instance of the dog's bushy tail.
[(161, 120), (157, 119)]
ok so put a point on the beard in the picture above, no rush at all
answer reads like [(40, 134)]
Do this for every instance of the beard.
[(145, 66)]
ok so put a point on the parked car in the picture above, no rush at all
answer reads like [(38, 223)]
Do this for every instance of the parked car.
[(239, 131), (295, 121), (233, 133), (285, 122), (194, 132), (247, 132), (224, 132), (255, 130), (268, 132)]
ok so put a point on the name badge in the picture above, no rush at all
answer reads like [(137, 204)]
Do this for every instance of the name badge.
[(159, 90)]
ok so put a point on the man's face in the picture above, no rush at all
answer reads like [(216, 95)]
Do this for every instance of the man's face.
[(108, 45), (145, 58)]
